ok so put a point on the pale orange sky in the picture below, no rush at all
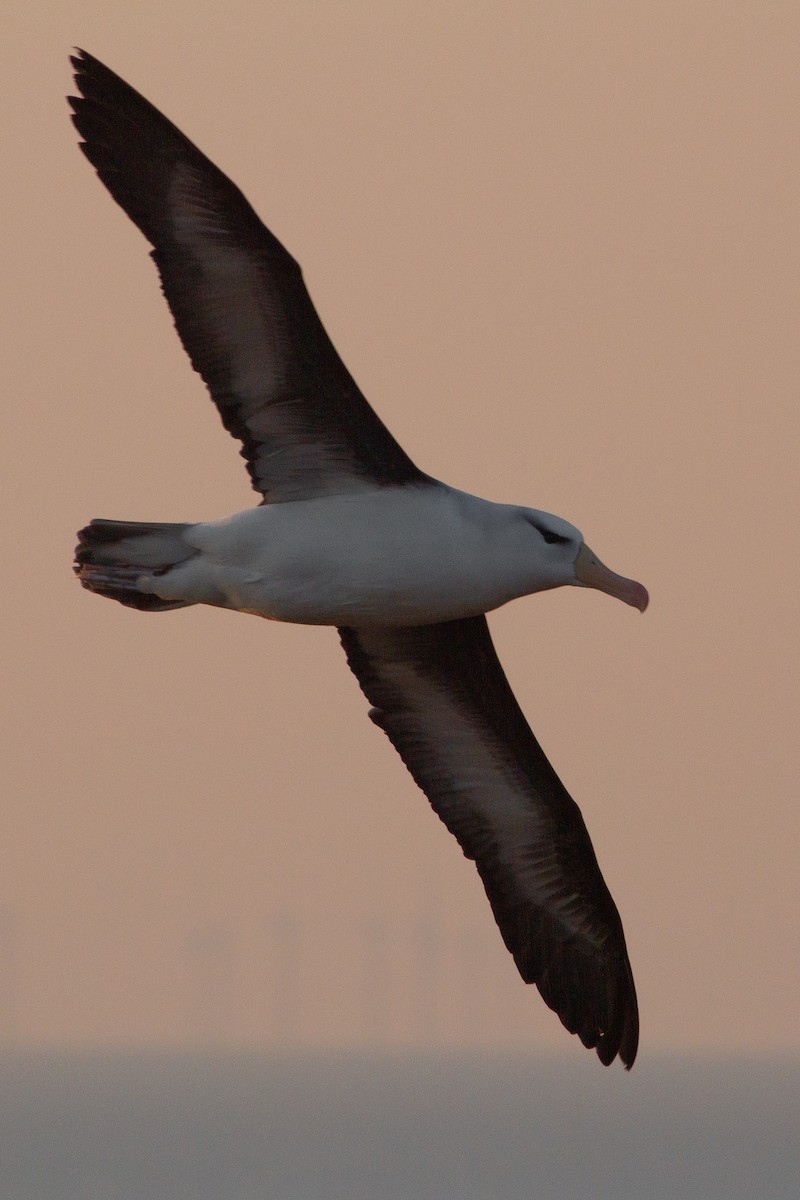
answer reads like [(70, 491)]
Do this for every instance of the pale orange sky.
[(557, 247)]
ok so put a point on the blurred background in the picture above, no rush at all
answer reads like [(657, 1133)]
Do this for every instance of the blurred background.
[(557, 246)]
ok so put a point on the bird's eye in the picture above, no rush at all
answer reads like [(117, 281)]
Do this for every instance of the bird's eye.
[(553, 539)]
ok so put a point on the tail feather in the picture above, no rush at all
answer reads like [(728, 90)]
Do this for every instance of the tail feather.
[(112, 556)]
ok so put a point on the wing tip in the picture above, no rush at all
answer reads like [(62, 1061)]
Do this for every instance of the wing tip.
[(629, 1045), (623, 1040), (599, 1006), (82, 62)]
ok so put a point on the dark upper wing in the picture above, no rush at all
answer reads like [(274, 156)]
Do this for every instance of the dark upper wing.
[(239, 302), (440, 694)]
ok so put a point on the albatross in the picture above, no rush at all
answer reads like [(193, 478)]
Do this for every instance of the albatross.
[(350, 532)]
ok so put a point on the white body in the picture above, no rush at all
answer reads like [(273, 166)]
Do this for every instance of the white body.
[(393, 556)]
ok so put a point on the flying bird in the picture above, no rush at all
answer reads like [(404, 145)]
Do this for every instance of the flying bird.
[(350, 532)]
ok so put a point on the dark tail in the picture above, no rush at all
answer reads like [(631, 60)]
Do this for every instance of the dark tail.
[(112, 555)]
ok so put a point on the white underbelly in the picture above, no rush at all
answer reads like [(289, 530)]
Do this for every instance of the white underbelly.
[(328, 598), (391, 557)]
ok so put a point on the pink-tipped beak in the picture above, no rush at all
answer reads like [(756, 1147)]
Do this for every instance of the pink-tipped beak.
[(590, 572)]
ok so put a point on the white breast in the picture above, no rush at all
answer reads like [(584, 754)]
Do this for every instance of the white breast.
[(402, 556)]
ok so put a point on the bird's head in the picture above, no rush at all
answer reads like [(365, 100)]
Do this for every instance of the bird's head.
[(564, 558)]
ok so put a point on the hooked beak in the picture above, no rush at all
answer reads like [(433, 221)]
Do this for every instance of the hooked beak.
[(590, 572)]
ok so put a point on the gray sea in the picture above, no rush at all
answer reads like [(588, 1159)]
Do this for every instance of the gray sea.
[(201, 1126)]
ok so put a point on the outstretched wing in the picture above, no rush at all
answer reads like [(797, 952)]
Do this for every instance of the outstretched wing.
[(239, 302), (440, 694)]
